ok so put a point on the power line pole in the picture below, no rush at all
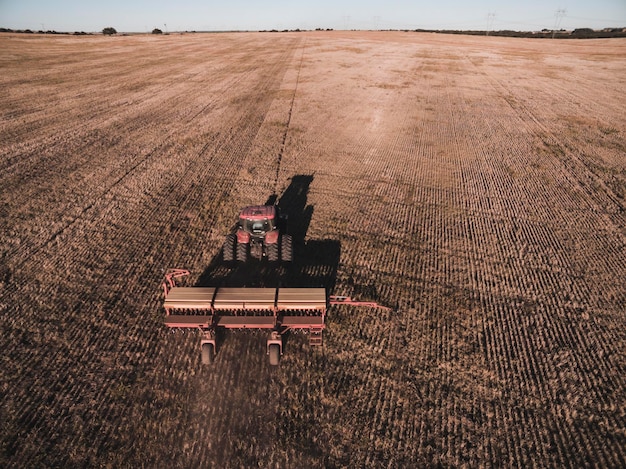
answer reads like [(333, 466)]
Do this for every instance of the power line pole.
[(559, 14)]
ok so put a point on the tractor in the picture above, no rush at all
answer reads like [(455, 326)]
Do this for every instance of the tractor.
[(261, 234)]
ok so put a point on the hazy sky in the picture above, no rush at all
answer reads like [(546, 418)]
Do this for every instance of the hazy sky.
[(187, 15)]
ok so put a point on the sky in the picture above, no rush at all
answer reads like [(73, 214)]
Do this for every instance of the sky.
[(211, 15)]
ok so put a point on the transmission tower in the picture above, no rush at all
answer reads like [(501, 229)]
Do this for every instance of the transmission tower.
[(490, 18), (559, 14)]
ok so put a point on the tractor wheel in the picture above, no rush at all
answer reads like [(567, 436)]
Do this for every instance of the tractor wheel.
[(207, 354), (274, 354), (272, 252), (242, 252), (286, 248), (228, 251)]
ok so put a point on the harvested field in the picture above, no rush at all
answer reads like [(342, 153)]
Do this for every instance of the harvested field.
[(475, 184)]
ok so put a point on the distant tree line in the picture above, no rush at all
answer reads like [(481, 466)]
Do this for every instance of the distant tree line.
[(30, 31), (579, 33)]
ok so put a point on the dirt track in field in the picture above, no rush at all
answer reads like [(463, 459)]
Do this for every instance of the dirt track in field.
[(475, 184)]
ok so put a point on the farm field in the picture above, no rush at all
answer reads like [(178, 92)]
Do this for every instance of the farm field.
[(476, 185)]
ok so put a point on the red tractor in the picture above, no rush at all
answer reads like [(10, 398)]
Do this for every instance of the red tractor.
[(260, 234)]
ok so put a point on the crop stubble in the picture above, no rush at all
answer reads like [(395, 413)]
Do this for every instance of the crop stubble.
[(475, 184)]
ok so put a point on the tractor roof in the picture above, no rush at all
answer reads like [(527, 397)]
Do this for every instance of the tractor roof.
[(258, 212)]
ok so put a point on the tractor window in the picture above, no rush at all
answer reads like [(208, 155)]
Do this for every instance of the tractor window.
[(257, 226)]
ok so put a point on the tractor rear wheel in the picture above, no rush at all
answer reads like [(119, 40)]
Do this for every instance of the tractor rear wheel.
[(272, 252), (286, 248), (228, 251), (274, 354), (207, 354), (242, 252)]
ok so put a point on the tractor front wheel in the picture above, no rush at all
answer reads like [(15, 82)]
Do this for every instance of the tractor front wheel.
[(242, 252), (286, 248), (272, 252), (228, 250)]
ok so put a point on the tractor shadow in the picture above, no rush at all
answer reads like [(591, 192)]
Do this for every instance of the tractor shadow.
[(315, 261)]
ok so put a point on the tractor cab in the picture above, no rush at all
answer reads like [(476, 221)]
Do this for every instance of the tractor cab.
[(260, 235), (257, 220)]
